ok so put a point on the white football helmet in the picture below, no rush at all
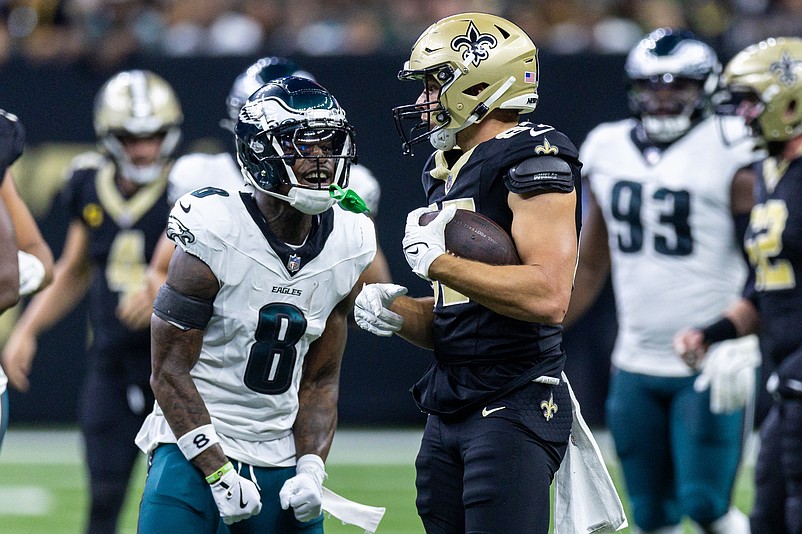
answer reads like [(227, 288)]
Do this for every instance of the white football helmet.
[(672, 77), (137, 103)]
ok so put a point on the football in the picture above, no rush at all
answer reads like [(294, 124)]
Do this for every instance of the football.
[(475, 237)]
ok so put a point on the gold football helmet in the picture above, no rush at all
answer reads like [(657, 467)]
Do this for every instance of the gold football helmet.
[(137, 103), (480, 62), (764, 82)]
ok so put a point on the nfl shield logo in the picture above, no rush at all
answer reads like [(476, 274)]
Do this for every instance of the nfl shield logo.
[(294, 263)]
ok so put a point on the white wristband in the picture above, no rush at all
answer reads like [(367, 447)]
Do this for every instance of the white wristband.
[(198, 440)]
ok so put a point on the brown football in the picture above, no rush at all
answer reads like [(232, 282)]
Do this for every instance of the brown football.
[(475, 237)]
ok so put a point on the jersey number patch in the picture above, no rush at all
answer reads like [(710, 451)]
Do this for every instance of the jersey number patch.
[(271, 363), (673, 236), (764, 243)]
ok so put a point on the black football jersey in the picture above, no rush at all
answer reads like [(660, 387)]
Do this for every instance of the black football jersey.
[(477, 351), (12, 140), (123, 233), (774, 243)]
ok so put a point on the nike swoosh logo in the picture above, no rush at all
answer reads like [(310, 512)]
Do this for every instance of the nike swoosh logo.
[(414, 249), (241, 504), (185, 208), (535, 133), (486, 412)]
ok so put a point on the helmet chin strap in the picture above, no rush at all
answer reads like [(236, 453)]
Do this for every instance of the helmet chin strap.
[(446, 138), (308, 201)]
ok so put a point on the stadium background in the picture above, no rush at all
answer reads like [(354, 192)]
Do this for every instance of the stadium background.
[(55, 104)]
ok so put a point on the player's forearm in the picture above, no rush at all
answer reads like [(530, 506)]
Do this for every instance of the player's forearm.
[(588, 284), (530, 293), (744, 316), (174, 353), (418, 314), (314, 427), (56, 300), (9, 269)]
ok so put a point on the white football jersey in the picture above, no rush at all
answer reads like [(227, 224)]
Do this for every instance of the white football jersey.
[(3, 381), (194, 171), (676, 261), (273, 302)]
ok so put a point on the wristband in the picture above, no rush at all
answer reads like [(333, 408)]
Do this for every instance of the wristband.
[(721, 330), (217, 475), (198, 440)]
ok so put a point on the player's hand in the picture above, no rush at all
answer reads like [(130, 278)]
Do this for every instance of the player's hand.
[(372, 309), (17, 358), (304, 491), (134, 310), (690, 345), (729, 372), (237, 498), (31, 273), (424, 244)]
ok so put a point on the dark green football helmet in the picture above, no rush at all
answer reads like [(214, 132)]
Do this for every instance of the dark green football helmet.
[(289, 119)]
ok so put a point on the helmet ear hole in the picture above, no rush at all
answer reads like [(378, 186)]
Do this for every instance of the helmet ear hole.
[(475, 90)]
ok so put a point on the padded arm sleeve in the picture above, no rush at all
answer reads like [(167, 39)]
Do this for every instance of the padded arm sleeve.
[(541, 174)]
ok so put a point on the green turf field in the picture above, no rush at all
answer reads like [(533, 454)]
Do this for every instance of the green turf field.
[(43, 486)]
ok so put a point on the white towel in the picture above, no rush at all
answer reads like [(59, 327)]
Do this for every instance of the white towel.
[(352, 513), (585, 499)]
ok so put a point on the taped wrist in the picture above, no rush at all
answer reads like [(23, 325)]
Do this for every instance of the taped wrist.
[(311, 464), (182, 311), (198, 440), (721, 330)]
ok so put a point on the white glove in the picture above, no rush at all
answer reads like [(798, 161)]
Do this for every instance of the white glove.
[(424, 244), (371, 309), (729, 372), (236, 497), (304, 491), (31, 273)]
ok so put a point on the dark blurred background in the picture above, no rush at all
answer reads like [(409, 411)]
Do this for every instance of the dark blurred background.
[(54, 55)]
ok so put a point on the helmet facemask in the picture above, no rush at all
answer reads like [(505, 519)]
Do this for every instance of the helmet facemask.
[(672, 77), (668, 106), (141, 174)]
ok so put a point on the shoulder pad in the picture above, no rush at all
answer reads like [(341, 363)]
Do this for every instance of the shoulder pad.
[(543, 174), (87, 160)]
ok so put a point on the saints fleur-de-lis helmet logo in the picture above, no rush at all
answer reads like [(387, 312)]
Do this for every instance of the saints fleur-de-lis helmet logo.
[(474, 46), (785, 68)]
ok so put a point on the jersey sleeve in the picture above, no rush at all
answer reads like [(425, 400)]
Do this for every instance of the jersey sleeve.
[(189, 227), (12, 141)]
